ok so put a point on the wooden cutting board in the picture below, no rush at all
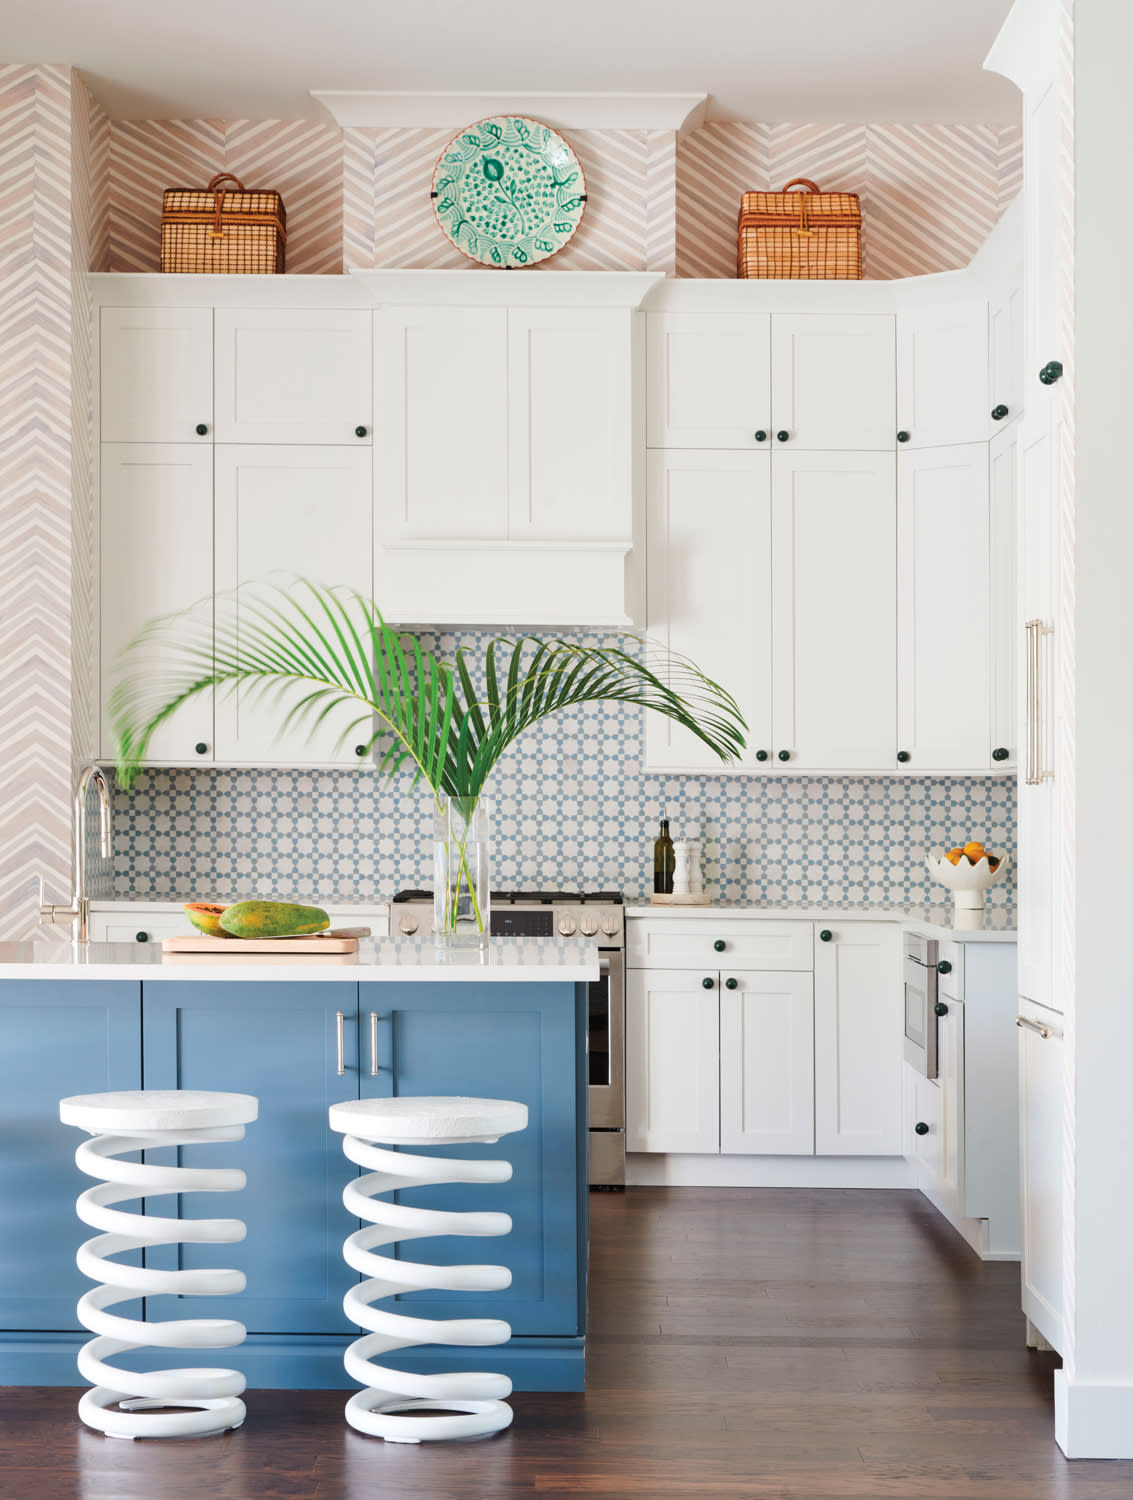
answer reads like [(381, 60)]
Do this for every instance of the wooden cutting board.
[(344, 940)]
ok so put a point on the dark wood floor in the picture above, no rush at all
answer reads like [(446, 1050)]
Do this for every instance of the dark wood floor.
[(785, 1345)]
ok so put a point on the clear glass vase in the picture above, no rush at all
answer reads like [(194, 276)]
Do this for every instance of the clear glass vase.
[(461, 899)]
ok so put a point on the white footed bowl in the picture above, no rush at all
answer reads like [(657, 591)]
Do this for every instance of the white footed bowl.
[(966, 881)]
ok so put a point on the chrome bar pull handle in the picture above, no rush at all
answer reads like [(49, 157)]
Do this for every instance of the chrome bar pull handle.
[(1037, 1026), (373, 1044), (1035, 772), (339, 1019)]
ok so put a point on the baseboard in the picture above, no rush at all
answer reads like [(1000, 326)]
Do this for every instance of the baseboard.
[(976, 1232), (302, 1362), (648, 1169), (1092, 1421)]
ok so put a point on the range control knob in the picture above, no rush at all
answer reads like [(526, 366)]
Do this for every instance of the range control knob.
[(589, 926), (408, 924), (566, 926), (610, 925)]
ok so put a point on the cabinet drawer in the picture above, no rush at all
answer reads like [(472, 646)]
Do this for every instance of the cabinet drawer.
[(708, 944), (145, 927)]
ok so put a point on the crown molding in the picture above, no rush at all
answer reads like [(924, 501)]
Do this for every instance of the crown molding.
[(451, 111)]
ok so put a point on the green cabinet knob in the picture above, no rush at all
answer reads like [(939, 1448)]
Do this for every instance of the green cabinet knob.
[(202, 429), (201, 748), (944, 967), (1000, 752), (903, 757), (940, 1009), (761, 436), (825, 935), (1051, 372), (784, 755), (719, 945), (360, 431), (921, 1128), (359, 751), (707, 983), (902, 436), (731, 984), (761, 755), (141, 937), (998, 412), (783, 435)]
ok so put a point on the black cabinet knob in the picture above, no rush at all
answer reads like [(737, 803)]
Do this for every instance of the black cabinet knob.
[(761, 436), (825, 935), (141, 937), (1000, 753), (903, 757), (361, 431), (201, 748), (784, 755), (940, 1009), (998, 413), (761, 755), (902, 436), (731, 984), (202, 429), (359, 751), (921, 1128), (944, 967), (719, 945), (783, 435), (707, 983), (1051, 372)]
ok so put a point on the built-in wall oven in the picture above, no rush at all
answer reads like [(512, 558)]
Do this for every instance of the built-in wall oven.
[(920, 1003), (566, 914)]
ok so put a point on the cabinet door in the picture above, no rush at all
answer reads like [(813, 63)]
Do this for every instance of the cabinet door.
[(570, 424), (155, 546), (1041, 1106), (857, 1042), (922, 1147), (709, 380), (833, 381), (672, 1061), (155, 380), (1003, 639), (441, 388), (943, 609), (950, 1069), (767, 1064), (834, 558), (301, 375), (498, 1041), (1005, 351), (59, 1039), (288, 512), (279, 1042), (709, 588), (942, 379)]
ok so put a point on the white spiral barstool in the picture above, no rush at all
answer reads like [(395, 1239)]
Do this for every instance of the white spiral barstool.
[(474, 1401), (129, 1403)]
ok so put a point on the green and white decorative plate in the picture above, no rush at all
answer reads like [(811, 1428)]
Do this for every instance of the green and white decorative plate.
[(508, 191)]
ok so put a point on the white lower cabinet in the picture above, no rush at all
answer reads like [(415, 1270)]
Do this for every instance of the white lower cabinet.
[(767, 1064), (672, 1061), (1041, 1106), (857, 1041)]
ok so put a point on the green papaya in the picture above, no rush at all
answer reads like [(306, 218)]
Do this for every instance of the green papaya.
[(268, 919)]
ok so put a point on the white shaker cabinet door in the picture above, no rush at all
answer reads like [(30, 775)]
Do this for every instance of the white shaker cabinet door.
[(857, 1041), (441, 466), (834, 540), (943, 609), (570, 424), (1003, 636), (833, 381), (709, 588), (942, 363), (155, 375), (294, 375), (1041, 1088), (767, 1063), (672, 1061), (289, 512), (1005, 355), (709, 382), (155, 546)]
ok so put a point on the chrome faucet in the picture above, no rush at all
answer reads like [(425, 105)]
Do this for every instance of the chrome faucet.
[(78, 913)]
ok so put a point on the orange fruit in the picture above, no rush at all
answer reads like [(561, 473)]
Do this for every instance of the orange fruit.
[(953, 856), (974, 850)]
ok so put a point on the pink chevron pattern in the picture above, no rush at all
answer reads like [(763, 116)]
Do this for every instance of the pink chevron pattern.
[(659, 201), (35, 485), (300, 160)]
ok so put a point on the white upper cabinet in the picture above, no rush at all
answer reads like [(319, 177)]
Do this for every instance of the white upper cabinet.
[(570, 424), (299, 375), (767, 1063), (943, 609), (942, 391), (155, 557), (155, 378), (857, 1041), (1005, 354), (1003, 634), (709, 587), (441, 471), (709, 380), (833, 381), (288, 511), (834, 607)]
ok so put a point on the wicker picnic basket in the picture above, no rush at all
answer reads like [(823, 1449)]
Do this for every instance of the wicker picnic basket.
[(809, 236), (220, 230)]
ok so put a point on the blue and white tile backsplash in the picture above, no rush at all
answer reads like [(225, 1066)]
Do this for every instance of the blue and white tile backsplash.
[(571, 808)]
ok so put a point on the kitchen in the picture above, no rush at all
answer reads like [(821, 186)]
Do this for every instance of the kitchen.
[(712, 410)]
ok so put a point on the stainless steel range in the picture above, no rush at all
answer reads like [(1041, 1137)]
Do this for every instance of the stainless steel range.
[(565, 914)]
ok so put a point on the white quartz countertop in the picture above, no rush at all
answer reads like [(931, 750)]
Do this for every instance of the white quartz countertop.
[(381, 960), (999, 922)]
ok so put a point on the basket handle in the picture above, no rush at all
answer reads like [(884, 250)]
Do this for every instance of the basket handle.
[(218, 193), (811, 187)]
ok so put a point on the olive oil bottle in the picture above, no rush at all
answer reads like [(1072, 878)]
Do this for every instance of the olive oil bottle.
[(663, 862)]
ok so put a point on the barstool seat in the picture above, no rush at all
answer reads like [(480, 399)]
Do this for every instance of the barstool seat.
[(157, 1109), (391, 1405)]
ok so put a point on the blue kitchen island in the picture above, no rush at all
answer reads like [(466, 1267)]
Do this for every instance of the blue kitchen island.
[(301, 1033)]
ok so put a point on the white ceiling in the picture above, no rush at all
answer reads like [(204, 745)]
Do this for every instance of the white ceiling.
[(796, 60)]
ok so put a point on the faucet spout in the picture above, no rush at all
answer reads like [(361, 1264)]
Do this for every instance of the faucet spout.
[(80, 905)]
